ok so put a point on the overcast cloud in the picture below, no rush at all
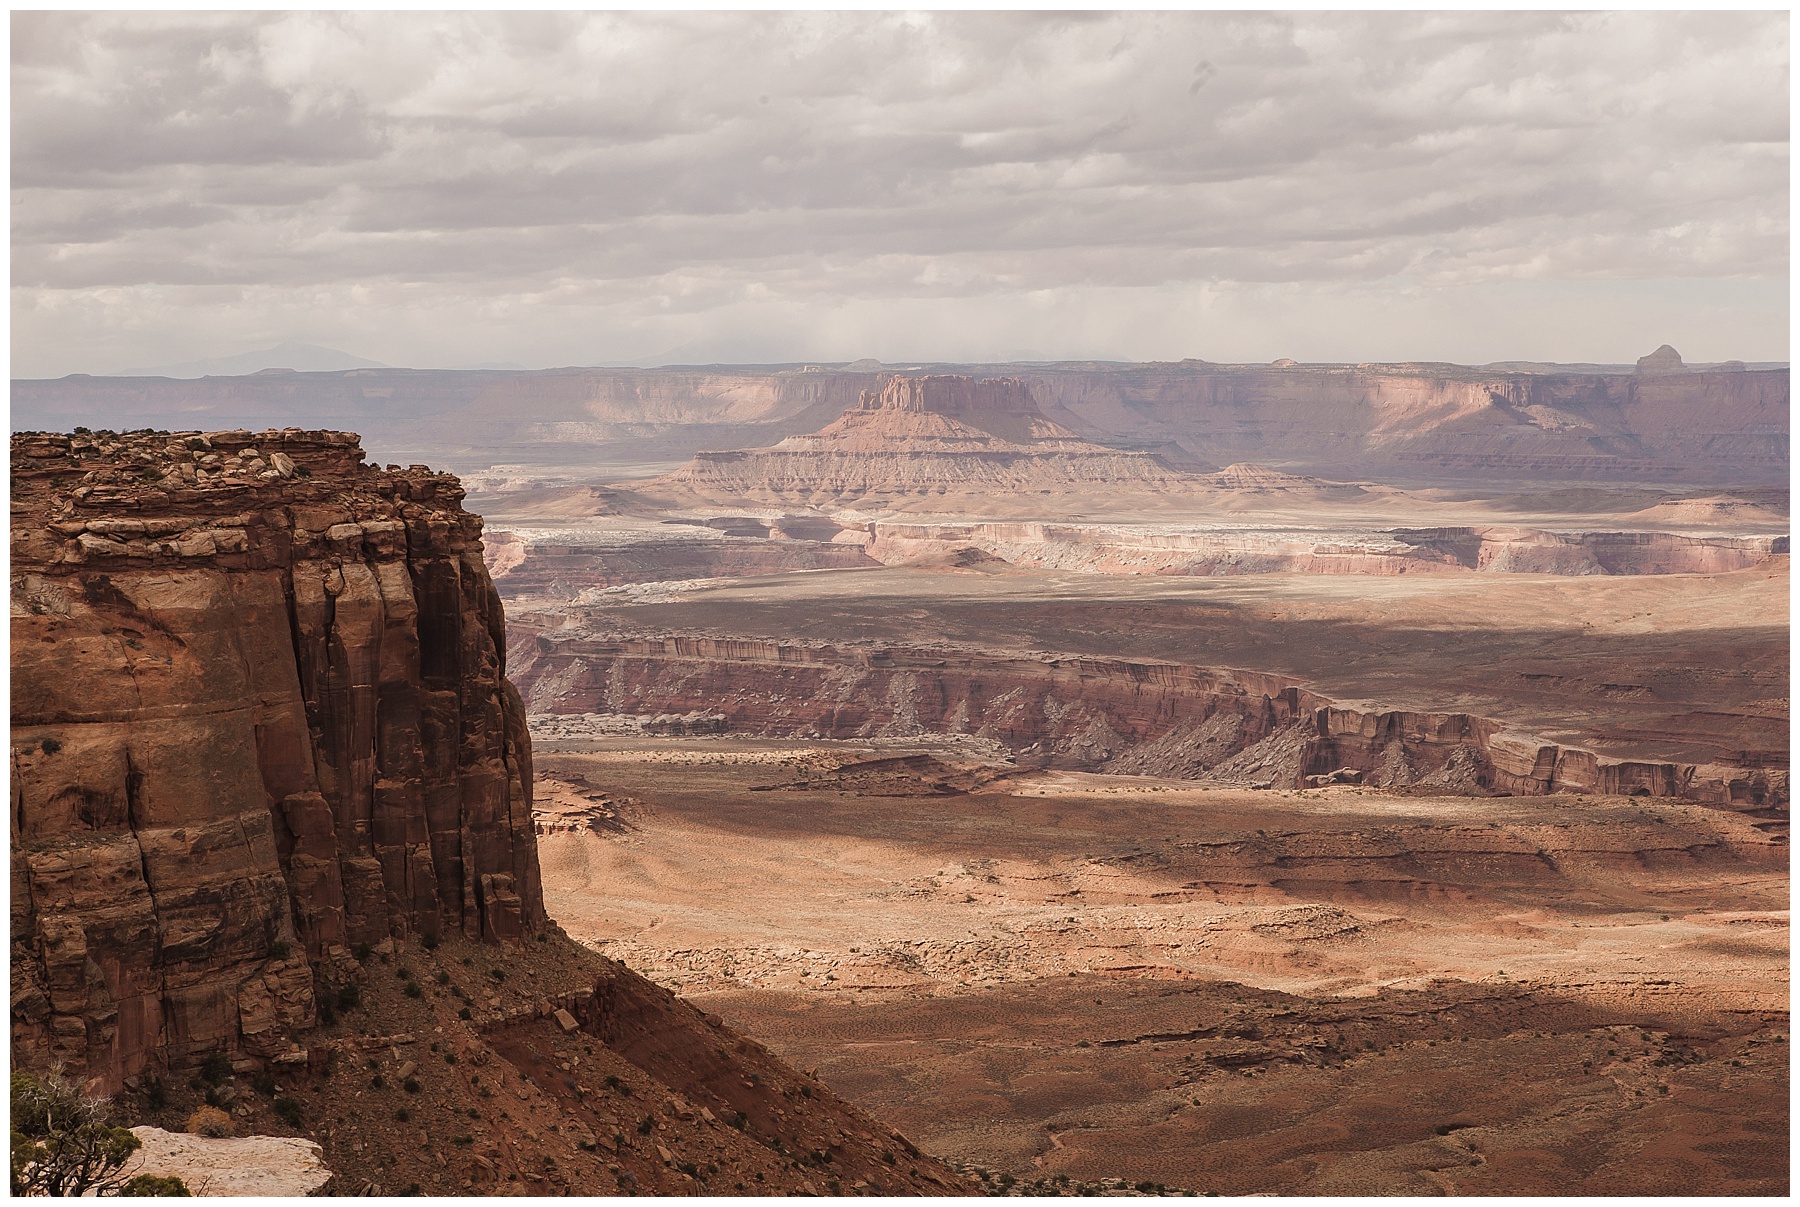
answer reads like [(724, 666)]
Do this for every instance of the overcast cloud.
[(561, 189)]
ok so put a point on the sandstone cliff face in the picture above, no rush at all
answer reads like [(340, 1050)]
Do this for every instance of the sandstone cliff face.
[(1225, 726), (259, 718)]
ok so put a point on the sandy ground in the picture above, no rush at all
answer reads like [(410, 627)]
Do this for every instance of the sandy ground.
[(1332, 991)]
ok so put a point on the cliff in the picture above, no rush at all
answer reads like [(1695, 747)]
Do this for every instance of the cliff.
[(1725, 425), (1224, 726), (260, 719)]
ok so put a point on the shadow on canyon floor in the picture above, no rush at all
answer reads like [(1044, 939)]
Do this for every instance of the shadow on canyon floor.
[(1052, 974)]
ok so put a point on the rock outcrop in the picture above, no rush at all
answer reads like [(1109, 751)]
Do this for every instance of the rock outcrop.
[(1224, 726), (260, 722), (925, 437), (1664, 360)]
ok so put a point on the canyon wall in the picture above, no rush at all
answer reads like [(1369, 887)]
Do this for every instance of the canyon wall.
[(1244, 548), (1427, 421), (259, 719), (1224, 726)]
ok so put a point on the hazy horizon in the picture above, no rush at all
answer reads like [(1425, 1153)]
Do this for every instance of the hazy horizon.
[(563, 189)]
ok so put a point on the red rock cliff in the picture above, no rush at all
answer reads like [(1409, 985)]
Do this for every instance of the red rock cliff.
[(259, 718)]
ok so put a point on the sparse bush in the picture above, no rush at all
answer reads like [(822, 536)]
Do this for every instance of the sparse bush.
[(429, 942), (378, 1082), (349, 997), (645, 1124), (264, 1083), (280, 950), (363, 952), (499, 974), (50, 745), (288, 1109), (402, 1116), (410, 1085), (209, 1121), (413, 990), (449, 1058), (443, 978), (62, 1144), (464, 1014), (216, 1069)]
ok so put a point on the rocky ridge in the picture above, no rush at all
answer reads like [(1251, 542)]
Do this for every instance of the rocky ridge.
[(1718, 424), (1229, 727), (931, 435)]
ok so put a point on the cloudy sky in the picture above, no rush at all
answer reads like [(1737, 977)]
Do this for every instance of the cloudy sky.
[(564, 188)]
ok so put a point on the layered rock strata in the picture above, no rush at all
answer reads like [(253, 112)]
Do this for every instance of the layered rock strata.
[(1225, 726), (1269, 549), (260, 719), (921, 436), (1500, 422)]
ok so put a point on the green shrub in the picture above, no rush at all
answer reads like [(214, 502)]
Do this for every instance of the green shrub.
[(289, 1110), (62, 1144), (149, 1186)]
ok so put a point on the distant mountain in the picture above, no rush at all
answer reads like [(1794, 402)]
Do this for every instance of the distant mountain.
[(302, 358)]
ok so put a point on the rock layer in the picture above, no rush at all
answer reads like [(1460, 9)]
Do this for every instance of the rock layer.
[(1223, 726), (930, 435), (259, 718), (1720, 424)]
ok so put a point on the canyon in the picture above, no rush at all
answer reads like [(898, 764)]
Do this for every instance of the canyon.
[(1183, 777)]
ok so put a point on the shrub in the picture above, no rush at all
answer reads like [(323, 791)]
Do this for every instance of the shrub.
[(349, 997), (363, 952), (402, 1115), (645, 1124), (429, 942), (289, 1110), (464, 1014), (378, 1082), (499, 974), (413, 990), (50, 745), (216, 1069), (443, 978), (62, 1144), (209, 1121), (410, 1085), (149, 1186), (280, 950), (264, 1083)]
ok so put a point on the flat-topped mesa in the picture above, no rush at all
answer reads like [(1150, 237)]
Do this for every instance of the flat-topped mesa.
[(260, 718)]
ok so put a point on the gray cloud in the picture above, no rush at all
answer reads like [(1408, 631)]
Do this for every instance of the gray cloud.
[(566, 188)]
